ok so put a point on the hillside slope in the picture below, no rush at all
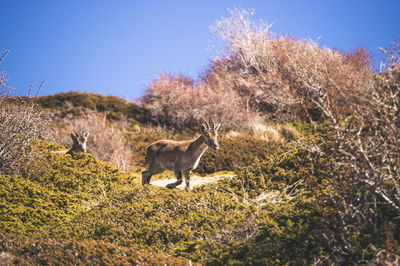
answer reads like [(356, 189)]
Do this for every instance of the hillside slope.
[(80, 200)]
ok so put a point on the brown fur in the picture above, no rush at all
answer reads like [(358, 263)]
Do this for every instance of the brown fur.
[(181, 157)]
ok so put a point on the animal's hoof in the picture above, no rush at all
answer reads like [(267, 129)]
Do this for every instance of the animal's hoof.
[(170, 186)]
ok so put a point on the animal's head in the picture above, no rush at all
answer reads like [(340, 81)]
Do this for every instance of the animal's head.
[(79, 141), (210, 133)]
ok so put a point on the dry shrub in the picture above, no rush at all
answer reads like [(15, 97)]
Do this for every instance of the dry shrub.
[(262, 76), (281, 76), (21, 123), (179, 102), (366, 160), (106, 141), (3, 86)]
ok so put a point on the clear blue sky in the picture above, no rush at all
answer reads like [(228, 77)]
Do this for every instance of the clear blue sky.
[(116, 47)]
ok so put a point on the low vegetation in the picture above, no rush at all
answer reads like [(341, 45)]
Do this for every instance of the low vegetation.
[(19, 250), (67, 199)]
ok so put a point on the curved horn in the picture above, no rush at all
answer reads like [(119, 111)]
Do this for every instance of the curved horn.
[(212, 124), (86, 134), (207, 124)]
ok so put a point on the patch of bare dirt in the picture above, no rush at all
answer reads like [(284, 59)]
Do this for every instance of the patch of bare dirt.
[(195, 181)]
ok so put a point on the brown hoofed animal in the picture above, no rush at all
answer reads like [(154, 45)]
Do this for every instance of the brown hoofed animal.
[(79, 143), (181, 157)]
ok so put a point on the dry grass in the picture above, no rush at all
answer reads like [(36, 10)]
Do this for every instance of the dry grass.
[(268, 132), (272, 198)]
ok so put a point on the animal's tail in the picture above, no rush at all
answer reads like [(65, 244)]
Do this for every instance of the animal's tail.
[(148, 152)]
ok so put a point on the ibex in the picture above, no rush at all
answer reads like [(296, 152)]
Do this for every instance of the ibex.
[(79, 143), (181, 157)]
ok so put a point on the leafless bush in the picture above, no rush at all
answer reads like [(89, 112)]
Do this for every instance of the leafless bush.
[(107, 140), (21, 123), (280, 76), (366, 188), (262, 76), (178, 102), (3, 86)]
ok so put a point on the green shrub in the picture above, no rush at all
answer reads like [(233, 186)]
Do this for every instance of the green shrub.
[(27, 207), (20, 250), (266, 214), (81, 174), (76, 102), (279, 171), (289, 234), (157, 219), (289, 220), (227, 222), (236, 152), (57, 187)]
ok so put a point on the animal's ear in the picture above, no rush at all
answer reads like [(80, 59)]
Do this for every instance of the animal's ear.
[(216, 127), (74, 137)]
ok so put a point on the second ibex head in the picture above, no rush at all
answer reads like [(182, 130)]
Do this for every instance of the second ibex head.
[(79, 142)]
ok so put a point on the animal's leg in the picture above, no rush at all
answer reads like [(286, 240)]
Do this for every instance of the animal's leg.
[(146, 174), (178, 175), (146, 177), (187, 178)]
